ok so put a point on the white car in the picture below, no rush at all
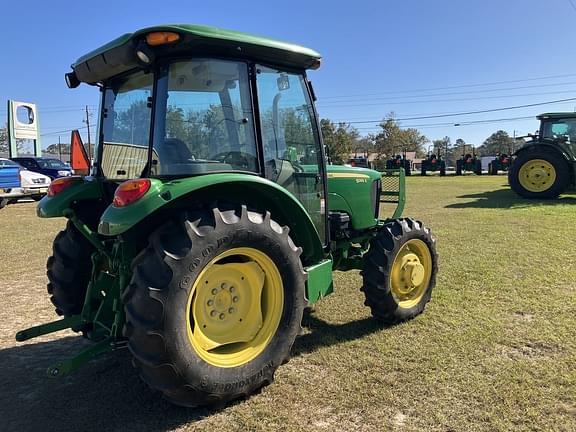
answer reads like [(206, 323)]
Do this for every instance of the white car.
[(34, 185)]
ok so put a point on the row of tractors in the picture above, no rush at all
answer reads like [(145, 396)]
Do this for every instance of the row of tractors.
[(469, 162)]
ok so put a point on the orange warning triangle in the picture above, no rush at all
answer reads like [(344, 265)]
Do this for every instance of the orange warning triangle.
[(78, 157)]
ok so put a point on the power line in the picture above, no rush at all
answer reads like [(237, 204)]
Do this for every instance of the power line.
[(572, 4), (64, 131), (469, 112), (456, 87), (447, 100), (465, 123)]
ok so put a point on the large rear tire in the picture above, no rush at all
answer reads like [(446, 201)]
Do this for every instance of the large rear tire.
[(214, 305), (539, 174), (69, 270), (400, 270)]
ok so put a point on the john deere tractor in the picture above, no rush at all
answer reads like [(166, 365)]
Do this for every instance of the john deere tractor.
[(502, 162), (545, 166), (469, 162), (206, 225), (400, 161), (433, 163)]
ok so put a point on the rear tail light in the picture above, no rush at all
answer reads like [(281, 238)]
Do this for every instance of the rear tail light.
[(59, 184), (130, 191)]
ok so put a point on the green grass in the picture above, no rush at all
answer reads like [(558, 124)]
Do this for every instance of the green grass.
[(494, 350)]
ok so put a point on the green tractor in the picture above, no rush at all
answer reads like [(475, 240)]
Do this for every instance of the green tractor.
[(400, 161), (210, 219), (502, 162), (433, 163), (545, 166), (469, 162)]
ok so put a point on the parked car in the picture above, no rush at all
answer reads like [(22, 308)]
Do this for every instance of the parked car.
[(34, 185), (19, 182), (51, 167)]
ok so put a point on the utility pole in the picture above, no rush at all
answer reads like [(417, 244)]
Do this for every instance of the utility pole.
[(88, 126), (59, 149)]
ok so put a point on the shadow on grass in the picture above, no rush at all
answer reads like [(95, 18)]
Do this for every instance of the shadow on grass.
[(323, 334), (507, 199), (107, 394), (104, 395)]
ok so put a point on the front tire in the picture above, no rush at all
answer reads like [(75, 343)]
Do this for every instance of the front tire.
[(400, 270), (214, 305), (539, 174)]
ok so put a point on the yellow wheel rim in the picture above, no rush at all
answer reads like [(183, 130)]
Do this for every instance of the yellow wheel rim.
[(537, 175), (411, 273), (234, 307)]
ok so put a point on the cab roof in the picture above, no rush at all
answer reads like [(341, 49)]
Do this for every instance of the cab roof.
[(556, 115), (119, 55)]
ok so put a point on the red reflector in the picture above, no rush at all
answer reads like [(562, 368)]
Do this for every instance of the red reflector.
[(130, 191), (59, 184)]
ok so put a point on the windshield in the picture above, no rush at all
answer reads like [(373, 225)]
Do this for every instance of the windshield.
[(203, 121), (564, 129), (51, 163)]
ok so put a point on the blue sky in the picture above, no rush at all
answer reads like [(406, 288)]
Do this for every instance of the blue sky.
[(417, 58)]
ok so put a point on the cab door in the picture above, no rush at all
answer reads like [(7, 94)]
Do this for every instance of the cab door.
[(290, 137)]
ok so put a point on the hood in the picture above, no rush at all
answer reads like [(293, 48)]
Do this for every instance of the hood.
[(31, 178)]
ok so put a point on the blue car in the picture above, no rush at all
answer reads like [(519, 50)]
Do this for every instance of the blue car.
[(51, 167)]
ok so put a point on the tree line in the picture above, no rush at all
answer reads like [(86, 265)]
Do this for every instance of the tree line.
[(342, 140)]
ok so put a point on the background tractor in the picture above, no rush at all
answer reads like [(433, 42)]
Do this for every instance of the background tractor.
[(545, 166), (501, 162), (210, 219), (400, 161), (469, 162), (433, 163)]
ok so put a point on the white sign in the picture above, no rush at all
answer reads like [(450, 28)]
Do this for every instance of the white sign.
[(24, 120)]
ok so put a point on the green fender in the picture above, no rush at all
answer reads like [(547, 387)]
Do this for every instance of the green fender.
[(561, 149), (243, 188), (86, 189)]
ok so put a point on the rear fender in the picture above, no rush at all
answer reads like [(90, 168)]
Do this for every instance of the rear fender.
[(86, 190), (166, 198)]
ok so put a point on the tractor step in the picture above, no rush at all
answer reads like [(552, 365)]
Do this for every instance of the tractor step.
[(44, 329)]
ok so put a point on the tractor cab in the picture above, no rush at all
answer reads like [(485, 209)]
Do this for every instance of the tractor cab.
[(177, 102)]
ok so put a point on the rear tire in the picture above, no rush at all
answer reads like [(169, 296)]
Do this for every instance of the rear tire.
[(180, 280), (546, 179), (69, 270), (478, 168), (458, 167), (403, 250)]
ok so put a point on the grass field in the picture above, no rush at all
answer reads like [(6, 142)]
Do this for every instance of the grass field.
[(494, 350)]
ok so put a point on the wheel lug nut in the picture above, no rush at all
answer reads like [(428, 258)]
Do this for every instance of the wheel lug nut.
[(231, 310), (213, 313), (235, 299), (210, 302), (224, 286), (232, 289), (214, 291), (222, 316)]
